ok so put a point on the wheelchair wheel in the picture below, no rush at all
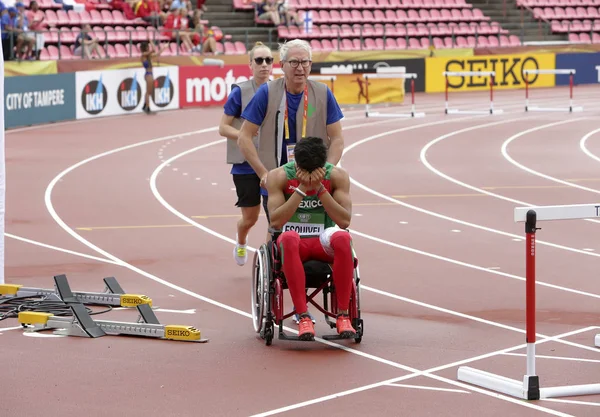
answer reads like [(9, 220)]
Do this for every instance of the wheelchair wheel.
[(357, 322), (260, 287)]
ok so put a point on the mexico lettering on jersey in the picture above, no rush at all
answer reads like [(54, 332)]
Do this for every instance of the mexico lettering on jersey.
[(310, 219)]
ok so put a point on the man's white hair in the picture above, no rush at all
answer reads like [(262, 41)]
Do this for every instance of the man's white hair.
[(296, 43)]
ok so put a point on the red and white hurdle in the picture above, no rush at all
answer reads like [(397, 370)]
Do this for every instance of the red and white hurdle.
[(529, 387), (490, 74), (392, 73), (536, 72)]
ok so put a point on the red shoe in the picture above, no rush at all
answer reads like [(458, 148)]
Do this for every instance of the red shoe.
[(344, 327), (306, 329)]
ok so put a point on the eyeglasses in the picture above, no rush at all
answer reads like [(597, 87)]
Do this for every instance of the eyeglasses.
[(260, 60), (294, 63)]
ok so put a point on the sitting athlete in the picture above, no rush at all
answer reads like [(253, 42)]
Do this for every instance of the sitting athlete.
[(308, 197)]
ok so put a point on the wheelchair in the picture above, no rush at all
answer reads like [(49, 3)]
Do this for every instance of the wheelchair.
[(268, 284)]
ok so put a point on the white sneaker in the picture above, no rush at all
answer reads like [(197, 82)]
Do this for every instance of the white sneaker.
[(240, 254)]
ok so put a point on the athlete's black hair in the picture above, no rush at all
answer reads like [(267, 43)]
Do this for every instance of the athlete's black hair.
[(144, 46), (310, 153)]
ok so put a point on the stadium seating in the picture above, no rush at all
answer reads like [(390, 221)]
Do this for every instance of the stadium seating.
[(391, 24), (577, 18), (119, 36)]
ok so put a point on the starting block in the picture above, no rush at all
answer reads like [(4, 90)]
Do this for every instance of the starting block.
[(82, 324), (113, 294)]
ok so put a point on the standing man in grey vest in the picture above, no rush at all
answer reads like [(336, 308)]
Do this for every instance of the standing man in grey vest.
[(247, 183), (286, 110)]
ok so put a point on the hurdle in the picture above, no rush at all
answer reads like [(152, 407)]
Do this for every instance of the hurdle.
[(331, 77), (529, 387), (388, 73), (490, 74), (570, 72)]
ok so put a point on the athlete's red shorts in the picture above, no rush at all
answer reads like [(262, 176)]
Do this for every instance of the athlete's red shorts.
[(295, 251)]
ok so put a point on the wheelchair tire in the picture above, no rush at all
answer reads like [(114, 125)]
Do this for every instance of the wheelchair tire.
[(260, 287), (357, 322)]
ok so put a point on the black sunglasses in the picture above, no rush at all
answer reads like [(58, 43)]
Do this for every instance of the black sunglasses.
[(260, 60)]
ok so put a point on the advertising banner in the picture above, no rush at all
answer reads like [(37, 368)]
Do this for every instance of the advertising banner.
[(415, 66), (210, 86), (508, 69), (584, 65), (116, 92), (36, 99), (201, 86)]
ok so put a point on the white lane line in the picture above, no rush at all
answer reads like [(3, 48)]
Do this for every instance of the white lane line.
[(56, 248), (428, 388), (169, 207), (442, 216), (583, 146), (556, 400), (537, 173), (560, 358), (429, 373), (59, 221)]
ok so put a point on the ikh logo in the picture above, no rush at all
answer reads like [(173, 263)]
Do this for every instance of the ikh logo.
[(163, 91), (129, 94), (94, 97)]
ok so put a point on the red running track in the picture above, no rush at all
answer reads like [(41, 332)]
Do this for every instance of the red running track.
[(150, 201)]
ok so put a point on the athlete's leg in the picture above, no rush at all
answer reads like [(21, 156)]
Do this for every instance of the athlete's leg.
[(248, 220), (293, 252), (247, 187), (339, 244)]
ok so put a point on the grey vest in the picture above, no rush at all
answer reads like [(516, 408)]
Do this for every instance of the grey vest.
[(271, 134), (234, 155)]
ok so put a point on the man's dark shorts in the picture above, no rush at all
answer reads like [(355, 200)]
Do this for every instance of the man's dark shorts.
[(247, 187)]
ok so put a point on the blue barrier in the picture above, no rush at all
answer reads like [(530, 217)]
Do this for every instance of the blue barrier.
[(583, 63), (32, 100)]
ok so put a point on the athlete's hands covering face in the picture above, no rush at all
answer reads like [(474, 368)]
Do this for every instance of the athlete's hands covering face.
[(310, 181)]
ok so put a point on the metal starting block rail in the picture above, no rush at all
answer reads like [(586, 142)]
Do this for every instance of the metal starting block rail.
[(81, 324), (113, 294)]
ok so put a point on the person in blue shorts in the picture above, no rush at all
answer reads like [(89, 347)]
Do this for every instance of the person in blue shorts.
[(247, 183), (284, 111)]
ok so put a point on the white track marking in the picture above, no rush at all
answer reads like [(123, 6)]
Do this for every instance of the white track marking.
[(429, 373), (164, 282), (505, 154), (442, 216), (56, 248), (428, 388), (582, 145), (556, 400), (560, 358), (169, 207), (6, 329)]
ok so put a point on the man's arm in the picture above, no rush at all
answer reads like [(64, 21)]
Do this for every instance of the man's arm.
[(338, 204), (226, 129), (231, 110), (280, 211), (246, 145), (336, 143), (254, 115)]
